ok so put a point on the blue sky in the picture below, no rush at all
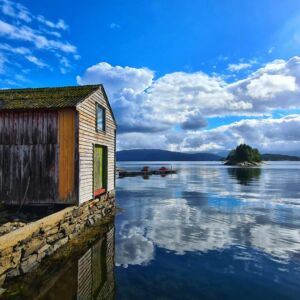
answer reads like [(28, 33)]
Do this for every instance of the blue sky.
[(181, 75)]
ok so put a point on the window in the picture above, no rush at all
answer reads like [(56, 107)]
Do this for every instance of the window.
[(100, 118)]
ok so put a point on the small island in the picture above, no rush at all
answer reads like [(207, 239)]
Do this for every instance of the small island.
[(244, 156)]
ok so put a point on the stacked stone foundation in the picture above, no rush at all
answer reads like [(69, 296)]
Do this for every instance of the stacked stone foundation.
[(23, 249)]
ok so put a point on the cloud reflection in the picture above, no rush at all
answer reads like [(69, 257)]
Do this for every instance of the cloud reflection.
[(207, 209)]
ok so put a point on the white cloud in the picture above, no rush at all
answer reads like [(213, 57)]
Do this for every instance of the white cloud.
[(3, 61), (114, 26), (194, 121), (239, 67), (15, 10), (134, 249), (15, 50), (59, 25), (266, 86), (24, 33), (36, 61), (118, 79), (18, 11), (269, 135), (149, 111)]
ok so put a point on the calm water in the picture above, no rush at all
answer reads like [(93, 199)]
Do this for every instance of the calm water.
[(208, 232)]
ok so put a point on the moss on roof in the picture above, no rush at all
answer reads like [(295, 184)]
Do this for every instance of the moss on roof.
[(57, 97)]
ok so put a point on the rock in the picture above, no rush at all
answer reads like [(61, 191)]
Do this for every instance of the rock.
[(28, 264), (36, 233), (16, 257), (53, 238), (45, 251), (6, 251), (13, 272), (33, 246), (98, 217), (76, 213), (51, 231), (2, 291), (10, 226), (90, 221), (60, 243), (2, 279), (242, 164), (79, 227), (67, 228), (5, 264)]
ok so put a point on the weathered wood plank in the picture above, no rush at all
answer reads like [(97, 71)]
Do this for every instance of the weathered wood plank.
[(28, 157), (66, 125)]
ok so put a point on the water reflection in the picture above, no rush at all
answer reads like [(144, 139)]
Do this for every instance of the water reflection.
[(86, 275), (245, 175), (242, 222), (95, 270)]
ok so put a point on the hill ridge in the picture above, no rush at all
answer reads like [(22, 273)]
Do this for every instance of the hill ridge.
[(167, 155)]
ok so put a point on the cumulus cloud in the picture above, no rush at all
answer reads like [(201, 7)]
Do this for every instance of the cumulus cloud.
[(159, 106), (194, 121), (118, 79), (24, 35), (268, 135), (266, 86)]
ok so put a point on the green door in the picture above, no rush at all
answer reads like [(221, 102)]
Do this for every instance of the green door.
[(100, 170)]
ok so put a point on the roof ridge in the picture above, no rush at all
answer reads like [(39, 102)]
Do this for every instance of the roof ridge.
[(51, 97), (54, 87)]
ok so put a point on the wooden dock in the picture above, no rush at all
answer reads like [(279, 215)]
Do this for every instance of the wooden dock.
[(145, 172)]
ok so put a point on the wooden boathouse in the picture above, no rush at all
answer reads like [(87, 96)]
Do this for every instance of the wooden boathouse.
[(57, 145)]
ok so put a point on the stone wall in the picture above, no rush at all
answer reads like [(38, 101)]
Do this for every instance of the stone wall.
[(24, 248)]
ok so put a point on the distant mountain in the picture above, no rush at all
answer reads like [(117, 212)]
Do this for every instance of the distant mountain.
[(163, 155), (278, 157)]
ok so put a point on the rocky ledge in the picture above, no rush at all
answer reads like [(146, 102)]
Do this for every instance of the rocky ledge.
[(10, 226), (24, 247)]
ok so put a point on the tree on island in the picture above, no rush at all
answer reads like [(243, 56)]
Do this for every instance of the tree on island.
[(243, 155)]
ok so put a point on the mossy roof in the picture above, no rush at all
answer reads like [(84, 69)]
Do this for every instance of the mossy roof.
[(34, 98)]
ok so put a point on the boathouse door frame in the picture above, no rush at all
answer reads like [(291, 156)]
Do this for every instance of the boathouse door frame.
[(100, 169)]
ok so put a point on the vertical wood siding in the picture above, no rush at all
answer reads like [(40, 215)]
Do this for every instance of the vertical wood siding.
[(28, 157), (66, 134), (88, 137)]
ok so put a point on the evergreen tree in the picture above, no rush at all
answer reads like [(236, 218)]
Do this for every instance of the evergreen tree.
[(244, 153)]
